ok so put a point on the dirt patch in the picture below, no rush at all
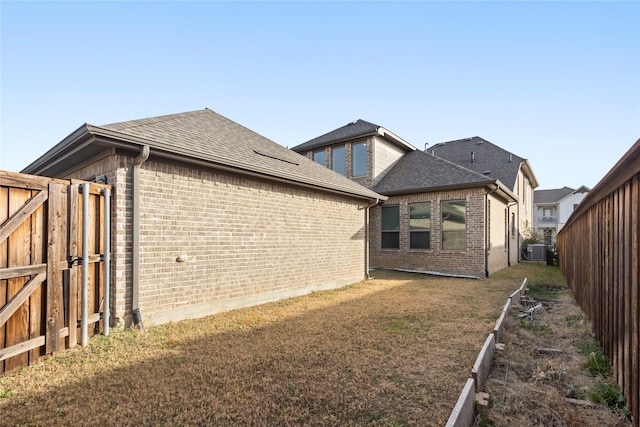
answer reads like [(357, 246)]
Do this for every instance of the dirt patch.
[(552, 372)]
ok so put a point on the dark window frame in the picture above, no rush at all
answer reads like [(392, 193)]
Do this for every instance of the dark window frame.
[(342, 168), (324, 154), (449, 244), (390, 237), (415, 230), (354, 159)]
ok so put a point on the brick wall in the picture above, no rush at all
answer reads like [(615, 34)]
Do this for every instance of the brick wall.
[(469, 261), (243, 241), (239, 238)]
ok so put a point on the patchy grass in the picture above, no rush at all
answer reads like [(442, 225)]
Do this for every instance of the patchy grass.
[(393, 351), (529, 386)]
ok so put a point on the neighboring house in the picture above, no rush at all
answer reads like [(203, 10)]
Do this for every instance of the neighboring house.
[(209, 215), (553, 208), (513, 171), (442, 214)]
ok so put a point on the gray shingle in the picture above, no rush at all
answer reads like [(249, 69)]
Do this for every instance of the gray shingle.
[(349, 131), (419, 171), (488, 158), (551, 196), (206, 135)]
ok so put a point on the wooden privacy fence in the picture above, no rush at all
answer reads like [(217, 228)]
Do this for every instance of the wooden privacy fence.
[(52, 271), (598, 251)]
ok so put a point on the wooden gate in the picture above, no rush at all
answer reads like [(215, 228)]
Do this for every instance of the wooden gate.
[(42, 309)]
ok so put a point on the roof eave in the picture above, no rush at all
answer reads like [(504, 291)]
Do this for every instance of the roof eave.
[(73, 142), (88, 134), (388, 134), (529, 172), (440, 188)]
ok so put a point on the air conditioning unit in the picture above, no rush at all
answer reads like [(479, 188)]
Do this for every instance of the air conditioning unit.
[(537, 252)]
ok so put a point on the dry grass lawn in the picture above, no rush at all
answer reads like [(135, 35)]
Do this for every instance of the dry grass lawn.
[(391, 351)]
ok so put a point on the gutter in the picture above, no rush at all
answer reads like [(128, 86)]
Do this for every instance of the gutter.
[(135, 306)]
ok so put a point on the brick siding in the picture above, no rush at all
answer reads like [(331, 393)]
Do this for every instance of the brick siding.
[(469, 261), (241, 239)]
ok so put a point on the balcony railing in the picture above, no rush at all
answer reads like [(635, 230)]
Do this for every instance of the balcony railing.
[(547, 219)]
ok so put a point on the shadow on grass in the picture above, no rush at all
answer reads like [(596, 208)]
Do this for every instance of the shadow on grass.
[(391, 351)]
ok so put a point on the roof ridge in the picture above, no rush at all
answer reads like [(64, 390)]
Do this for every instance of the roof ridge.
[(155, 119), (485, 141), (457, 165)]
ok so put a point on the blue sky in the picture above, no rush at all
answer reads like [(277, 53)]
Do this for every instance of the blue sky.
[(555, 82)]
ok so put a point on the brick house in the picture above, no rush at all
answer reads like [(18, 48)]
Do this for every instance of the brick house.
[(444, 213), (209, 215)]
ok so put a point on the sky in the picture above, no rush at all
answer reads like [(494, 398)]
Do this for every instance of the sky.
[(557, 83)]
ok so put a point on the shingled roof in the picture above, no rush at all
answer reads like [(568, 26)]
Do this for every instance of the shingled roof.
[(352, 130), (483, 157), (419, 171), (551, 196), (205, 137)]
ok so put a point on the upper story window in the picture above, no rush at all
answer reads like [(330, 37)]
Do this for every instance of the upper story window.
[(338, 159), (390, 227), (320, 157), (454, 230), (420, 225), (359, 158)]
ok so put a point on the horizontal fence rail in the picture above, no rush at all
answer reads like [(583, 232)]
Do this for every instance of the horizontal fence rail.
[(598, 252)]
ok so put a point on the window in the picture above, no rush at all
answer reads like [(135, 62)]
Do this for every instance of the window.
[(320, 157), (338, 159), (513, 225), (359, 159), (454, 225), (390, 227), (420, 226)]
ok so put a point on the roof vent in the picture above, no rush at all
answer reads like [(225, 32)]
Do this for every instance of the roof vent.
[(486, 172), (352, 123), (510, 157), (473, 157)]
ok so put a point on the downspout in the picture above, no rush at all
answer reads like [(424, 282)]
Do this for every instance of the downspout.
[(106, 316), (366, 236), (84, 303), (486, 229), (135, 306)]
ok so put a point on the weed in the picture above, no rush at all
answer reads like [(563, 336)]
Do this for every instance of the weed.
[(575, 392), (598, 365), (588, 345), (5, 393), (574, 320), (610, 396)]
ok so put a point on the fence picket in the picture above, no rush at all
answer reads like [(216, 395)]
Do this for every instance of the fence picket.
[(599, 251), (34, 212)]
